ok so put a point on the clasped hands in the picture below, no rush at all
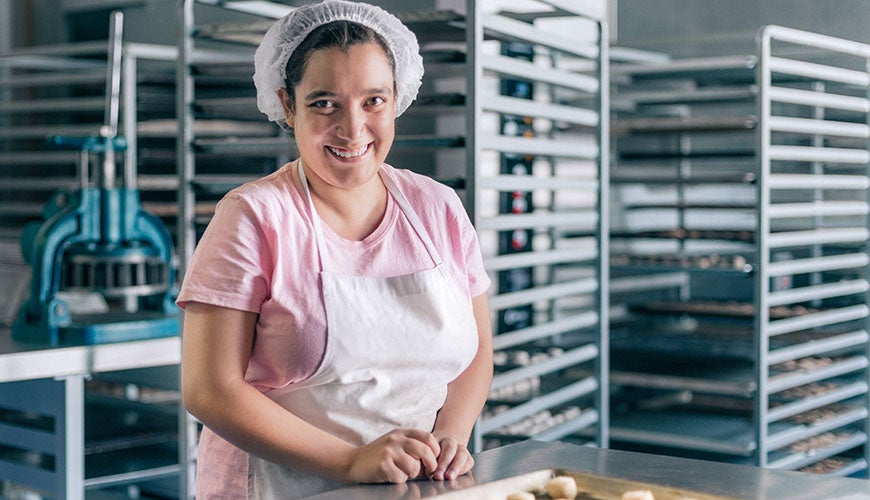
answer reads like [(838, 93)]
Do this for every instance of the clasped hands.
[(404, 454)]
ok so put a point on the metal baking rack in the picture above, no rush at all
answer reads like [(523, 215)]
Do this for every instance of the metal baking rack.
[(54, 90), (454, 133), (543, 162), (748, 175), (59, 90)]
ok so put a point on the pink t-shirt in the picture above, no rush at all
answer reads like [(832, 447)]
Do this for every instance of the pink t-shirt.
[(258, 254)]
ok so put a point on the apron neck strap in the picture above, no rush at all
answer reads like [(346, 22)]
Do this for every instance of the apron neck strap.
[(397, 195)]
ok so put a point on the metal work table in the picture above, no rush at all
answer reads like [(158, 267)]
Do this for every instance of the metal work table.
[(19, 361), (734, 481), (49, 382)]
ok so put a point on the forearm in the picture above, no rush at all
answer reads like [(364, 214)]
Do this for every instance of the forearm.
[(466, 395), (249, 420), (216, 350), (465, 398)]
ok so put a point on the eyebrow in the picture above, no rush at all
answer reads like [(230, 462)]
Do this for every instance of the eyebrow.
[(325, 93)]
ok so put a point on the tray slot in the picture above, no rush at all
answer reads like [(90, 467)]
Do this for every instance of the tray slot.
[(702, 432), (793, 434), (818, 71), (524, 32), (820, 127), (737, 384), (54, 79), (586, 419), (820, 99), (685, 124), (548, 292), (798, 377), (689, 67), (818, 264), (46, 158), (539, 147), (818, 154), (795, 461), (807, 181), (535, 405), (817, 319), (697, 95), (528, 182), (822, 236), (585, 219), (787, 410), (817, 292), (555, 112), (817, 209), (569, 358), (42, 131), (543, 330), (509, 66), (817, 346), (53, 105), (546, 257)]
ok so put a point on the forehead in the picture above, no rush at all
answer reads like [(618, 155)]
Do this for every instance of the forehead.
[(365, 63)]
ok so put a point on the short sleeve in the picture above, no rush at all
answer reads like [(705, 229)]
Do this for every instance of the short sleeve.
[(232, 264), (478, 279)]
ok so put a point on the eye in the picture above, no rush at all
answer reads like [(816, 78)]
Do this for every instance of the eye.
[(322, 104), (376, 100)]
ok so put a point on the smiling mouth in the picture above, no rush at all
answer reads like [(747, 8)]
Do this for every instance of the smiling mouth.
[(348, 153)]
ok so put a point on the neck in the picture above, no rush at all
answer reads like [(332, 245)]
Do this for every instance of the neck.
[(351, 213)]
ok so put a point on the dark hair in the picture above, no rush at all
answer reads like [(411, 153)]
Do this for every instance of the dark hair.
[(341, 34)]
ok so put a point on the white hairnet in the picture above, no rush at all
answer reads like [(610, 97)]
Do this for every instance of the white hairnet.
[(270, 59)]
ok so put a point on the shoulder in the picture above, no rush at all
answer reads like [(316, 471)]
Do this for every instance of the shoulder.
[(424, 192), (268, 196), (276, 184)]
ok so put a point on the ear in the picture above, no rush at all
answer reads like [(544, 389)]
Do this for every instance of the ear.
[(287, 104)]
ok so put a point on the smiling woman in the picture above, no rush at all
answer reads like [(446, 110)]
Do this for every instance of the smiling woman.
[(336, 317), (344, 122)]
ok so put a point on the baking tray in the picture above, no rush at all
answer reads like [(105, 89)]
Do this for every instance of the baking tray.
[(590, 486)]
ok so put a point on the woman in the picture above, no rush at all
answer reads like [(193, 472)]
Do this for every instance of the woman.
[(336, 321)]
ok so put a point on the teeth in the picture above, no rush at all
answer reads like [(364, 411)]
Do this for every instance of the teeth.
[(348, 154)]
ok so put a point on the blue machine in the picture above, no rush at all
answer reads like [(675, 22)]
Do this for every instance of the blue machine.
[(102, 266)]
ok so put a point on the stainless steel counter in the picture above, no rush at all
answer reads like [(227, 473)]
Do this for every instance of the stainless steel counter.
[(736, 481), (49, 382), (19, 361)]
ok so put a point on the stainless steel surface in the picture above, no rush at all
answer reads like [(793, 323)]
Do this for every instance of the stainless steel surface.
[(729, 480), (20, 361)]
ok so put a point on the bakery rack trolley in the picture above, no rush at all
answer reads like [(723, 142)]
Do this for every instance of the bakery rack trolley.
[(536, 186), (748, 174), (454, 132)]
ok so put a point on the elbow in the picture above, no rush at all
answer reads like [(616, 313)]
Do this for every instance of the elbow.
[(194, 395)]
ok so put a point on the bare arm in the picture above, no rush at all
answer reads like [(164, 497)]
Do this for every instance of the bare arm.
[(216, 350), (465, 398)]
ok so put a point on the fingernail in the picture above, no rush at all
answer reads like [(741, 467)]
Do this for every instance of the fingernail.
[(451, 475)]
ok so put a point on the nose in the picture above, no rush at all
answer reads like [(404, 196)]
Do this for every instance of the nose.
[(351, 123)]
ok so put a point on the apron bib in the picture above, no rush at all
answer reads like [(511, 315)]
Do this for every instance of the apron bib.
[(393, 344)]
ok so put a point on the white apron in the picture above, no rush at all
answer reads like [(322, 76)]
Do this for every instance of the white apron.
[(393, 344)]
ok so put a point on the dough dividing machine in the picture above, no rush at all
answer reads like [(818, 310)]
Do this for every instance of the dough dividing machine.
[(102, 265)]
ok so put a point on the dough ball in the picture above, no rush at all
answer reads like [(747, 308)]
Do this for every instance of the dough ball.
[(562, 487), (638, 495), (521, 495)]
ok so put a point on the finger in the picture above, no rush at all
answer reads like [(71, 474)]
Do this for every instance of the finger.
[(462, 463), (426, 438), (446, 458), (424, 454), (409, 465), (395, 475)]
